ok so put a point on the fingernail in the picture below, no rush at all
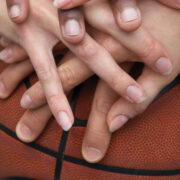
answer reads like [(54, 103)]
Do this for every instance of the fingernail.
[(129, 14), (135, 94), (64, 121), (72, 27), (92, 154), (2, 89), (55, 4), (25, 131), (61, 3), (14, 11), (6, 54), (26, 101), (164, 66), (117, 123)]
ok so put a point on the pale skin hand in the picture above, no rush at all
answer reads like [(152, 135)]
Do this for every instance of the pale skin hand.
[(42, 59), (127, 16), (121, 110), (94, 56), (30, 33), (88, 50), (124, 11), (168, 39)]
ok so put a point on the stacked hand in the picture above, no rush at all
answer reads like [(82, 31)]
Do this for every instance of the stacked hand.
[(73, 71)]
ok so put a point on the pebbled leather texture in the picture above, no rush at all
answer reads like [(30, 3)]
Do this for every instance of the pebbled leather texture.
[(146, 148)]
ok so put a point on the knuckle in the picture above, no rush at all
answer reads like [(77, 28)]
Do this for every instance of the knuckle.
[(96, 134), (103, 105), (116, 82), (148, 48), (53, 101), (87, 50), (139, 109), (67, 76), (109, 45), (44, 74)]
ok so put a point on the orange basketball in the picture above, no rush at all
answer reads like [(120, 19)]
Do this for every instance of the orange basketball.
[(147, 147)]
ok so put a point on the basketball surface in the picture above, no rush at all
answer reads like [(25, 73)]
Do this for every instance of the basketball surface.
[(147, 147)]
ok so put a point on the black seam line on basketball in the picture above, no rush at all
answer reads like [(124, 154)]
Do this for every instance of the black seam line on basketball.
[(168, 87), (18, 178), (64, 137), (79, 122), (32, 145), (121, 170)]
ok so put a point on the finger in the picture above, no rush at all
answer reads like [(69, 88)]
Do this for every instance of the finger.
[(32, 123), (127, 14), (18, 10), (12, 76), (44, 64), (72, 72), (140, 42), (122, 111), (171, 3), (152, 53), (97, 136), (4, 42), (13, 53), (99, 60), (72, 25), (68, 4)]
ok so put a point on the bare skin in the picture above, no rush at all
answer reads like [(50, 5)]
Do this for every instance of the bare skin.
[(169, 41), (42, 32)]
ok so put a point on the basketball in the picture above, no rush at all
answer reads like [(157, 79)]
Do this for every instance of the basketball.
[(147, 147)]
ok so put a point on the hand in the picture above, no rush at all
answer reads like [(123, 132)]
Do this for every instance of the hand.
[(86, 50), (41, 57), (158, 60), (72, 71), (162, 65), (144, 45), (97, 136), (104, 94)]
